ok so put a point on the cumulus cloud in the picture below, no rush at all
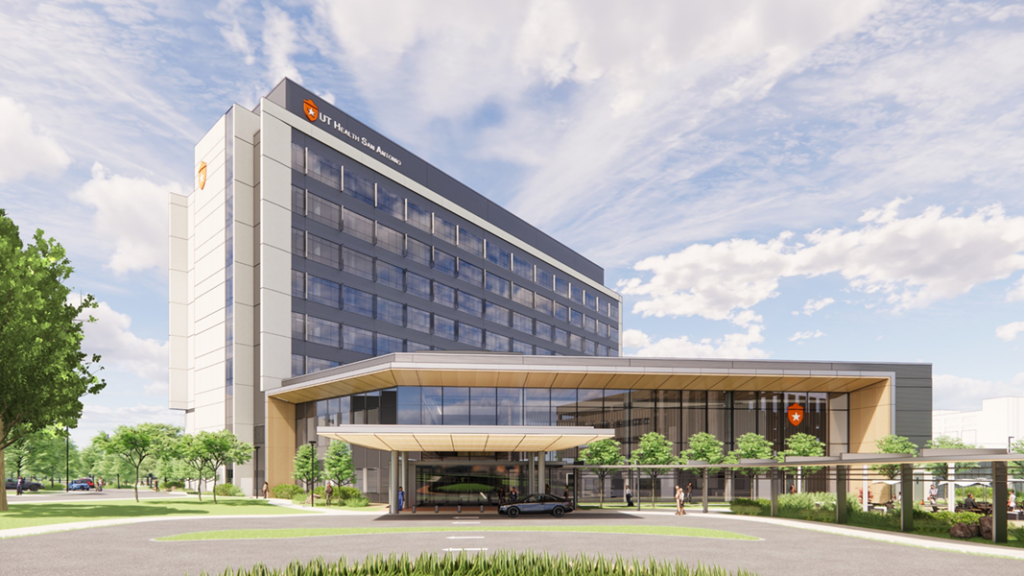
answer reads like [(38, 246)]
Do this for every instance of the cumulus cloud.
[(98, 418), (951, 392), (122, 350), (1008, 332), (812, 305), (908, 262), (806, 335), (1016, 294), (131, 215), (737, 345), (24, 147), (280, 43)]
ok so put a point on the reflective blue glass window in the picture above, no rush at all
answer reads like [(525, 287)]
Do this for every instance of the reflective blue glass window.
[(576, 342), (417, 319), (431, 405), (522, 322), (390, 203), (522, 295), (411, 346), (419, 217), (561, 287), (390, 311), (418, 251), (359, 188), (542, 330), (417, 285), (471, 304), (470, 273), (324, 332), (298, 242), (589, 324), (497, 314), (499, 285), (318, 364), (590, 301), (298, 326), (324, 292), (522, 267), (589, 348), (576, 318), (542, 351), (544, 278), (561, 312), (613, 333), (298, 364), (561, 337), (298, 161), (522, 347), (323, 251), (471, 243), (444, 295), (358, 226), (498, 256), (471, 335), (444, 262), (444, 327), (456, 406), (323, 170), (390, 239), (482, 407), (357, 339), (576, 294), (602, 329), (324, 212), (390, 275), (497, 342), (298, 284), (445, 230), (357, 263), (357, 301), (389, 344), (542, 304), (510, 406)]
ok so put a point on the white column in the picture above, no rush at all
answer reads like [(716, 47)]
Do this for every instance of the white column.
[(404, 477), (951, 488), (393, 483), (532, 479), (865, 501)]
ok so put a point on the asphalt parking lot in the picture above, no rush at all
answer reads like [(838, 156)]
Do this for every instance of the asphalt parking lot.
[(780, 550)]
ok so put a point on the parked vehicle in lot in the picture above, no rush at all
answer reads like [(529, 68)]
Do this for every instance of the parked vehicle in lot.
[(12, 484), (87, 481), (537, 504), (78, 485)]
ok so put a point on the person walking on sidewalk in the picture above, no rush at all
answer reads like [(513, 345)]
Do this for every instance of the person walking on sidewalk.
[(629, 497)]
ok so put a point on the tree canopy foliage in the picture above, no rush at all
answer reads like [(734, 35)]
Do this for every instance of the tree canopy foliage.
[(653, 449), (338, 464), (607, 452), (135, 444), (893, 444)]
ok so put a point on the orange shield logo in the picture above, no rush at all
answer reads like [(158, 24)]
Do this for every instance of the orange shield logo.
[(795, 414), (202, 175), (312, 112)]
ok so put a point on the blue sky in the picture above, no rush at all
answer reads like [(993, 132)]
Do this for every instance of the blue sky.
[(793, 180)]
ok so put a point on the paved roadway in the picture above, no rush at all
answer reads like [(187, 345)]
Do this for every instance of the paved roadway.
[(781, 550)]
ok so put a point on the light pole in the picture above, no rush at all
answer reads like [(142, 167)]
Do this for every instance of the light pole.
[(256, 474), (312, 473)]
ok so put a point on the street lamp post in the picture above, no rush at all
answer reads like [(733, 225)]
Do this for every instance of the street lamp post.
[(312, 474), (256, 474)]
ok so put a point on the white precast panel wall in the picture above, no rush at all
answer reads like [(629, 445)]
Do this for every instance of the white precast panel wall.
[(999, 420)]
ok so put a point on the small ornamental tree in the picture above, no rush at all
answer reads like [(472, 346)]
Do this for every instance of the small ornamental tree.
[(605, 452), (220, 449), (654, 449), (338, 464), (705, 447), (135, 444), (940, 470), (1016, 467), (893, 444), (802, 444), (307, 467), (189, 450), (755, 447)]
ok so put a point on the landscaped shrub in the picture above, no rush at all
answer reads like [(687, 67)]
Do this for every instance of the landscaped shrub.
[(500, 562), (285, 491), (346, 492), (356, 502), (173, 484), (1016, 535), (748, 507), (228, 490)]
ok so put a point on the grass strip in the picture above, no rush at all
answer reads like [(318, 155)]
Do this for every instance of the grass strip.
[(256, 534)]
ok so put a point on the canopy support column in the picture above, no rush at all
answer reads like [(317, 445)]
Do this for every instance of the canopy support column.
[(907, 497), (951, 488), (841, 494), (1000, 499), (404, 477), (542, 477), (704, 490), (393, 484), (531, 475), (773, 475)]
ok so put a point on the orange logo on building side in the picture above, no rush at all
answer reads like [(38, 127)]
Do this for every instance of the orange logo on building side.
[(312, 112), (202, 175), (795, 414)]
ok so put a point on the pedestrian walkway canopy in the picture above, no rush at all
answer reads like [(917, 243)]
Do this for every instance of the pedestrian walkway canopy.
[(431, 438)]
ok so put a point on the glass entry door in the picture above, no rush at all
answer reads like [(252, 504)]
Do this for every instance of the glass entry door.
[(469, 484)]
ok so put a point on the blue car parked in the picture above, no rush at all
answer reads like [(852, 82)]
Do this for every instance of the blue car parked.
[(537, 504), (78, 485)]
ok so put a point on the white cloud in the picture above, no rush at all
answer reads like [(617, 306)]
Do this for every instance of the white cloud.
[(280, 43), (909, 262), (1016, 294), (236, 38), (98, 418), (738, 345), (958, 393), (24, 148), (111, 337), (1008, 332), (806, 335), (131, 216), (812, 305)]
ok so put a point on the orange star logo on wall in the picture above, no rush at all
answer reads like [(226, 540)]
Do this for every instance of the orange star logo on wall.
[(202, 175), (795, 414), (312, 112)]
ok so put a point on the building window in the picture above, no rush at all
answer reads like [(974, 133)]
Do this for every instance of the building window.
[(576, 293), (298, 364), (544, 278), (298, 200), (576, 342), (359, 188), (444, 327), (324, 211), (613, 333), (561, 312), (471, 335), (324, 292), (325, 171), (542, 330), (497, 314), (419, 252), (389, 203), (390, 239), (471, 304), (576, 318), (497, 342), (298, 284), (417, 285), (613, 310), (590, 301), (542, 351), (324, 332), (357, 301), (358, 340), (602, 350), (318, 364), (359, 226), (418, 320), (561, 337), (298, 242), (390, 275), (496, 255), (561, 287), (522, 347), (499, 285), (389, 344), (613, 352), (419, 217), (390, 311), (411, 346), (522, 268), (324, 251), (444, 262), (522, 296), (445, 230), (589, 348), (298, 326), (522, 322), (298, 161), (602, 329), (472, 274), (542, 304), (471, 243), (357, 263), (589, 324), (444, 295)]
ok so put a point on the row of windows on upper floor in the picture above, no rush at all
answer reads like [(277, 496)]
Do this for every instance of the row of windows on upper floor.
[(351, 299), (406, 210), (343, 258)]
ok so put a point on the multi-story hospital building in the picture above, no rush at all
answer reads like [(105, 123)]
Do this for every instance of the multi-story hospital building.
[(325, 283)]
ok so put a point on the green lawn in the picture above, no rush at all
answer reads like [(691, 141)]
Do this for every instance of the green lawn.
[(43, 513), (309, 532)]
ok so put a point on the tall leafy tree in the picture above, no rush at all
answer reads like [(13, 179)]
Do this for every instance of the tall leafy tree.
[(752, 446), (893, 444), (940, 470), (18, 456), (189, 449), (705, 447), (338, 464), (135, 444), (223, 448), (803, 444), (307, 466), (55, 455), (43, 372), (653, 449), (607, 452)]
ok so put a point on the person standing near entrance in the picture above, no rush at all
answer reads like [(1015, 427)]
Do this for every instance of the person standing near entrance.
[(629, 497), (329, 492), (401, 498), (21, 485), (688, 495), (513, 495), (266, 488)]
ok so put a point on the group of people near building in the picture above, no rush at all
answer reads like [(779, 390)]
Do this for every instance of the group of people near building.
[(969, 501)]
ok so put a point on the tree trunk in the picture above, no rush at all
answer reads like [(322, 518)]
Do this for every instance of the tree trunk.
[(137, 483), (601, 490), (3, 476), (199, 487), (214, 486)]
